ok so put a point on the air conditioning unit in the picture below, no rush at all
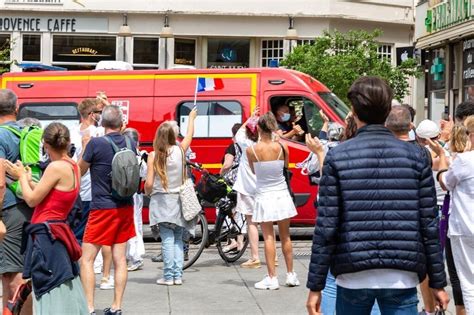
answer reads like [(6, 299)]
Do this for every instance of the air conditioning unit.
[(113, 65)]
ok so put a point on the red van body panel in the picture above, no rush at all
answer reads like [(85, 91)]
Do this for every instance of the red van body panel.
[(153, 96)]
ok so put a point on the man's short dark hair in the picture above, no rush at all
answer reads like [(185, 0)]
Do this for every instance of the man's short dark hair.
[(464, 110), (371, 99), (7, 102), (411, 110), (235, 128), (399, 120)]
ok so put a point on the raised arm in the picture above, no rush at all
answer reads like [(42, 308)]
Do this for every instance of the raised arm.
[(190, 132), (34, 196)]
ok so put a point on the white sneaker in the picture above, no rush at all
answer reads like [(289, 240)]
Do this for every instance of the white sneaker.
[(107, 283), (292, 279), (268, 283), (163, 281)]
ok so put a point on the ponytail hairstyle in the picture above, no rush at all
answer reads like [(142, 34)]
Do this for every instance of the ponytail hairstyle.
[(164, 139), (57, 136), (267, 123), (458, 138)]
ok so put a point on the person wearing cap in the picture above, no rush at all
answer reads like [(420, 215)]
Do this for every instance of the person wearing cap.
[(245, 186)]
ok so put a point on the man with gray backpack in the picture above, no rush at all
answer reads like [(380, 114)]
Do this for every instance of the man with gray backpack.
[(115, 177)]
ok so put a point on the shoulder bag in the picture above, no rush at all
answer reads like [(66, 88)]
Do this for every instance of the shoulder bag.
[(190, 206)]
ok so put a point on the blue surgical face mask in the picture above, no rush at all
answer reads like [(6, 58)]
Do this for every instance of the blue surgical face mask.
[(285, 117)]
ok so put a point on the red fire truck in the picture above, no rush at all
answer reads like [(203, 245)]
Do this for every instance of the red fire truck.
[(149, 97)]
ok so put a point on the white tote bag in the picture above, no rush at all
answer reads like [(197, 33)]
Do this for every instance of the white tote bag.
[(190, 205)]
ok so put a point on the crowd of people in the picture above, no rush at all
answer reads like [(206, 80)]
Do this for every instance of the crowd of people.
[(386, 187)]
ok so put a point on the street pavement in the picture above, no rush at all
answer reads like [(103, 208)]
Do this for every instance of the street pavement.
[(211, 287)]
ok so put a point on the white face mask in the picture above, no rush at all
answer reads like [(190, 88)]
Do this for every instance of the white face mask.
[(285, 117)]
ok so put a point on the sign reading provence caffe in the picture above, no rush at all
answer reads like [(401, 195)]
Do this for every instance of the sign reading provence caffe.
[(52, 24), (448, 13)]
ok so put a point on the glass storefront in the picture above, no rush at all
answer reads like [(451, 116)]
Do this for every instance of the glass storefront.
[(145, 51), (184, 51), (31, 47), (83, 49), (228, 53), (468, 69), (437, 83)]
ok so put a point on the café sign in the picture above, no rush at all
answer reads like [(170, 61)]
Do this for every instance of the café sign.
[(50, 24), (448, 13)]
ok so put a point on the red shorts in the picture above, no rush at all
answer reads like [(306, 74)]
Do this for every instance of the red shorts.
[(110, 226)]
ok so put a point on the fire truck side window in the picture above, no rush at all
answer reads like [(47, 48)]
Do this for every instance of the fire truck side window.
[(215, 118), (47, 112)]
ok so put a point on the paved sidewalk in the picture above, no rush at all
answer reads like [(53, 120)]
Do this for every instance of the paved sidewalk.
[(211, 287)]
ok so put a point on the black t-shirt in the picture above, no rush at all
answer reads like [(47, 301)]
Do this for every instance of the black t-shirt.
[(230, 150)]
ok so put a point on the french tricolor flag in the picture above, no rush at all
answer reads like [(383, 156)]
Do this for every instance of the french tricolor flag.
[(209, 84)]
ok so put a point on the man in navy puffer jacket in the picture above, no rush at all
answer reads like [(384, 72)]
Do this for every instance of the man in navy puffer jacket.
[(377, 229)]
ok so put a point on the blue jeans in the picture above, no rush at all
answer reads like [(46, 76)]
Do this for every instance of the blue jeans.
[(172, 248), (391, 301), (81, 225), (329, 294)]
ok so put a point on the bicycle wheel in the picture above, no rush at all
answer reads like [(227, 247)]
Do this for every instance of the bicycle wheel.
[(196, 244), (228, 232)]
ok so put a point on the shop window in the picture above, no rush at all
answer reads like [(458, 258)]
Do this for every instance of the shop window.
[(468, 69), (385, 51), (271, 50), (228, 53), (184, 52), (215, 118), (145, 50), (301, 42), (83, 49), (31, 47)]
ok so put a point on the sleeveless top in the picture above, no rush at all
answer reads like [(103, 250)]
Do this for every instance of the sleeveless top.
[(269, 174), (174, 172), (57, 204)]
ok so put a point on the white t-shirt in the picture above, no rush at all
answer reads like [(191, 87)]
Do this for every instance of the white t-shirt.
[(459, 179), (378, 279), (76, 139), (246, 182)]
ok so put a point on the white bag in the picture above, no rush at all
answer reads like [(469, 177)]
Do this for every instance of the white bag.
[(190, 205)]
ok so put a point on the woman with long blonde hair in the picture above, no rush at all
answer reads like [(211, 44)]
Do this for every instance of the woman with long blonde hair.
[(163, 182)]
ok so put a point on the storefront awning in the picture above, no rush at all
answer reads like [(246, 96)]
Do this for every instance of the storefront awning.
[(451, 34)]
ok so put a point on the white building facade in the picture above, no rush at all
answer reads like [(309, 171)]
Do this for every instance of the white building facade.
[(76, 34)]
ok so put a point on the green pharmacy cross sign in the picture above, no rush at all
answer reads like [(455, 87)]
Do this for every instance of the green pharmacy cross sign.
[(437, 69)]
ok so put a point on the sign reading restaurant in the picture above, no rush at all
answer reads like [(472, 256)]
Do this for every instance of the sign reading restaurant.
[(448, 13)]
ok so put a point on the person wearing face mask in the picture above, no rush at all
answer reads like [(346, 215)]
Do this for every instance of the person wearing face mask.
[(286, 126)]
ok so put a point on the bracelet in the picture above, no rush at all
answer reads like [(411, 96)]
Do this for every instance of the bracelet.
[(440, 172)]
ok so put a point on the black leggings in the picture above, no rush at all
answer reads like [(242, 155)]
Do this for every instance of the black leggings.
[(453, 276)]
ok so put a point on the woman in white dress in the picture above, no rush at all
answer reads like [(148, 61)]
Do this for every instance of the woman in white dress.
[(273, 202), (245, 187)]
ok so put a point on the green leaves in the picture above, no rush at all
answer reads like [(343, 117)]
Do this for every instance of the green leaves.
[(5, 62), (338, 59)]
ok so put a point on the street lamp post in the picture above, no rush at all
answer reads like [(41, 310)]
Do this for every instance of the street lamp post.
[(125, 32), (291, 33), (166, 32)]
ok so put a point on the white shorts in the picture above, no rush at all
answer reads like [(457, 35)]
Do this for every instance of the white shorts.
[(245, 204)]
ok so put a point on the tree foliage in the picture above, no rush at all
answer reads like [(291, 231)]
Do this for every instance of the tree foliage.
[(337, 59), (5, 49)]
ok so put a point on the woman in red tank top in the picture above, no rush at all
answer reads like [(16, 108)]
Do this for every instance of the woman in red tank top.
[(53, 197)]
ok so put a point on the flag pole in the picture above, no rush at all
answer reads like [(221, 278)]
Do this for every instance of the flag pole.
[(196, 91)]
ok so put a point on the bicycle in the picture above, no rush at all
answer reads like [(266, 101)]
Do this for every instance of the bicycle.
[(226, 229)]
